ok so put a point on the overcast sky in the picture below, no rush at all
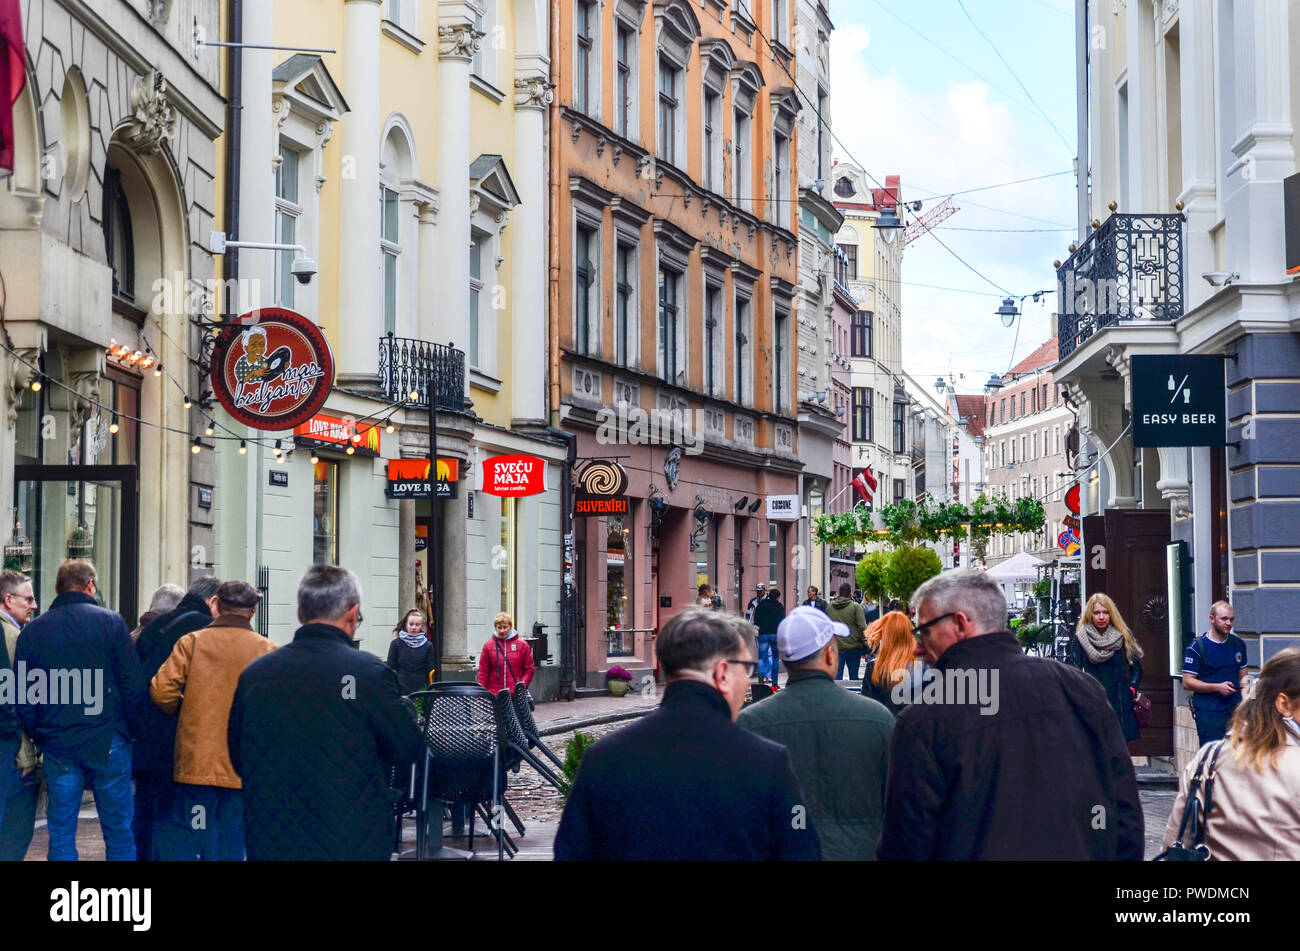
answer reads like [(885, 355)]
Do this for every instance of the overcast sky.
[(955, 118)]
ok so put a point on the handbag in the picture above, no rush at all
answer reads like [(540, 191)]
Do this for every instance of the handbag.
[(1196, 817), (1142, 709)]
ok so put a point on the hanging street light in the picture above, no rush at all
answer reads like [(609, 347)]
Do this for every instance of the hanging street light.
[(1008, 311)]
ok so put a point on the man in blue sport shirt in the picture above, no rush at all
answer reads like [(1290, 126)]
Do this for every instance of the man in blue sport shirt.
[(1214, 669)]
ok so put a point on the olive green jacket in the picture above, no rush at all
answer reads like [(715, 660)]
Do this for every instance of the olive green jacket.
[(847, 611), (26, 752), (839, 746)]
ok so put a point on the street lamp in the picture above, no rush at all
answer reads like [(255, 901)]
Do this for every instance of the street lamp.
[(939, 384), (888, 220), (1008, 311), (994, 384)]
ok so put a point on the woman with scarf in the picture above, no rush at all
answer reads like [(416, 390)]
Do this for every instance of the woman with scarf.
[(411, 654), (1104, 647), (506, 658)]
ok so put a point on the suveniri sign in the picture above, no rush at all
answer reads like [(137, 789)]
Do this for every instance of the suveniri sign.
[(1179, 400), (512, 476), (602, 490), (409, 479), (272, 368)]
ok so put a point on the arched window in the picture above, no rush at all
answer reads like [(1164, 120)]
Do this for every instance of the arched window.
[(119, 245)]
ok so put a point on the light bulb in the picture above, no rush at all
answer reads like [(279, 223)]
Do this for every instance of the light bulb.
[(36, 385), (243, 448), (157, 371), (113, 427), (413, 395), (208, 430), (314, 458), (197, 446), (390, 427), (351, 450), (188, 402)]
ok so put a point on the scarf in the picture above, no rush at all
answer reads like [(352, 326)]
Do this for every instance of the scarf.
[(414, 640), (1099, 645)]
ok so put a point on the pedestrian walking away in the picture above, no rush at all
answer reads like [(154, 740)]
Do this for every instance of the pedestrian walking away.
[(18, 800), (768, 615), (506, 659), (314, 727), (895, 675), (686, 783), (1003, 756), (199, 679), (410, 655), (86, 739), (1255, 812), (838, 742), (851, 648), (1104, 647), (1216, 674), (162, 828)]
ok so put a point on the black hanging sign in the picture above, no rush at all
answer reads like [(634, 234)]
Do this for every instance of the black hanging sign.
[(1179, 400)]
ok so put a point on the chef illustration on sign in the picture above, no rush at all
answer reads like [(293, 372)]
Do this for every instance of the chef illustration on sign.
[(254, 367)]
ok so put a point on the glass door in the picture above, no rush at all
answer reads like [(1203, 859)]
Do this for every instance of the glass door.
[(88, 512)]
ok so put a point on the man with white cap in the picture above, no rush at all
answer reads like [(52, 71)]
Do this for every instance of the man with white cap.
[(838, 741)]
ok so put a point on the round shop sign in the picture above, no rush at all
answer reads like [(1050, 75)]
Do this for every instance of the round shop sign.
[(272, 369)]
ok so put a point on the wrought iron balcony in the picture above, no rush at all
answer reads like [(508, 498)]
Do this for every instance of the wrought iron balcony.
[(409, 365), (1131, 268)]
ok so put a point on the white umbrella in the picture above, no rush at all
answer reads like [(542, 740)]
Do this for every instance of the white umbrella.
[(1016, 569)]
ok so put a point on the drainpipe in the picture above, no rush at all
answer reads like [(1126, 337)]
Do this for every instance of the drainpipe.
[(234, 135)]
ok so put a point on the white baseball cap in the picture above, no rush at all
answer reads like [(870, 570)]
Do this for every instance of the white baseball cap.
[(804, 632)]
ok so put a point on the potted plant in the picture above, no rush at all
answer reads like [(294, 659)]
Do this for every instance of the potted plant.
[(618, 679)]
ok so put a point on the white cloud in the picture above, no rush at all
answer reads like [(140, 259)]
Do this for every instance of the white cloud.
[(957, 135)]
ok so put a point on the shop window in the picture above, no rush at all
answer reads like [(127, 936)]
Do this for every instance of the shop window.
[(774, 553), (325, 523), (700, 541), (509, 514), (618, 545)]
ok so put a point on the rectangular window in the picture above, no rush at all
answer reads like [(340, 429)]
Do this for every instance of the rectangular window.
[(1033, 447), (900, 490), (780, 189), (851, 259), (712, 333), (1003, 412), (780, 326), (742, 349), (773, 553), (712, 138), (668, 75), (287, 212), (900, 427), (668, 287), (584, 271), (740, 173), (624, 324), (325, 521), (860, 342), (1056, 438), (389, 250), (780, 24), (1022, 404), (475, 292), (587, 25), (623, 90), (862, 414)]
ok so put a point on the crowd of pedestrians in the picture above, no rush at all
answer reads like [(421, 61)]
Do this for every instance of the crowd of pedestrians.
[(200, 739)]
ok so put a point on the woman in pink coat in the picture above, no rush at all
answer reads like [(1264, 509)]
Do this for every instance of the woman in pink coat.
[(506, 659)]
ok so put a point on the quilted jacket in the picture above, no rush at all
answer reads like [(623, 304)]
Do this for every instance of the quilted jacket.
[(313, 727)]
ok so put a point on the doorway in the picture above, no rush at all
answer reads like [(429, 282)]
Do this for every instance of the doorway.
[(89, 512)]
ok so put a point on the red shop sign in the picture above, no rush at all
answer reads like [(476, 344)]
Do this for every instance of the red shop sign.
[(272, 368), (512, 476)]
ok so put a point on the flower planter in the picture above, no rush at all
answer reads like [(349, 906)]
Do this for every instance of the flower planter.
[(618, 687)]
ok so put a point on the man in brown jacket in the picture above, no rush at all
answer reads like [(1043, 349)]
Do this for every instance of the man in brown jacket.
[(203, 671)]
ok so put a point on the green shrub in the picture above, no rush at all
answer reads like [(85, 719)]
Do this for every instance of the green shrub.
[(908, 568), (573, 750), (872, 575)]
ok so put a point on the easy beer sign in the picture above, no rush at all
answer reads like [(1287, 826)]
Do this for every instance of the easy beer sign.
[(512, 476), (1179, 400)]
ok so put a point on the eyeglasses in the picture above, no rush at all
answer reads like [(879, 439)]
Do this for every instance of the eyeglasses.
[(751, 666), (22, 597), (919, 630)]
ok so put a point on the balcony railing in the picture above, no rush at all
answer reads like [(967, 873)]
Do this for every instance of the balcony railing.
[(407, 364), (1131, 268)]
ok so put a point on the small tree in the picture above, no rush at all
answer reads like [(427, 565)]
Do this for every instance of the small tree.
[(872, 575), (908, 567)]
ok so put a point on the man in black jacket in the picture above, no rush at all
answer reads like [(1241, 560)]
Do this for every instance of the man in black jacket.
[(1003, 756), (162, 830), (686, 783), (768, 615), (85, 718), (313, 728)]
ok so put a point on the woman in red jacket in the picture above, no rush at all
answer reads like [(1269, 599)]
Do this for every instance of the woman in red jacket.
[(506, 659)]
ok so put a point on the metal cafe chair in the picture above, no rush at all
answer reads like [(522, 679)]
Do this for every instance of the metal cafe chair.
[(514, 743), (463, 762), (524, 713)]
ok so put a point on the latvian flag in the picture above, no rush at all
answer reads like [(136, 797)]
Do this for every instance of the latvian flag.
[(864, 483)]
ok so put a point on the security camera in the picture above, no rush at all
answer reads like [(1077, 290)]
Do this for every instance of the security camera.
[(1220, 278), (303, 269)]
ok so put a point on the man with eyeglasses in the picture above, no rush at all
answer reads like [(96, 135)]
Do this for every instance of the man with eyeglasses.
[(19, 781), (1041, 772), (686, 783)]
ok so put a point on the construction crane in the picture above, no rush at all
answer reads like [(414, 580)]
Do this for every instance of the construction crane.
[(920, 225)]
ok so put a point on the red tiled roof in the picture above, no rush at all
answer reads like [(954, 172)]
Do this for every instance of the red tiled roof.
[(1046, 355), (971, 408)]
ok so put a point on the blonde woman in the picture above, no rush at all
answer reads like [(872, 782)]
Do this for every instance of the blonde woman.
[(1104, 647), (506, 659), (1256, 809)]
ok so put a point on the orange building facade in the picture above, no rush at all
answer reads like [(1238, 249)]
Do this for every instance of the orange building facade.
[(674, 199)]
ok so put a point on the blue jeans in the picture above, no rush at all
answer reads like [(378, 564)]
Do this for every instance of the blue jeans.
[(11, 780), (110, 779), (767, 659), (162, 833), (850, 661), (17, 810), (208, 824)]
